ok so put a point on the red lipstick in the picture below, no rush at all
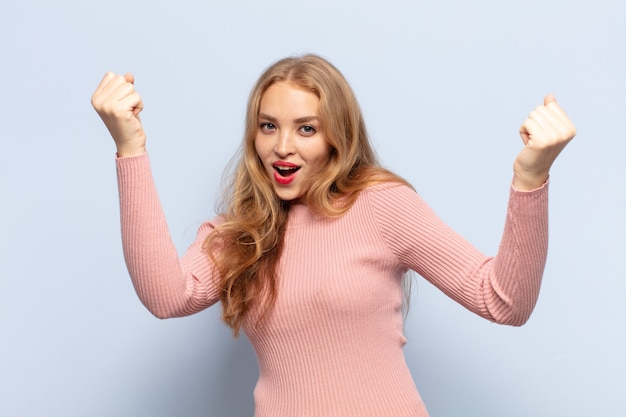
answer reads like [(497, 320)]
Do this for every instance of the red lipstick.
[(285, 172)]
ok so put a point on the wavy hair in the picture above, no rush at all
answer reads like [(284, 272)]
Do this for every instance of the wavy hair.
[(246, 248)]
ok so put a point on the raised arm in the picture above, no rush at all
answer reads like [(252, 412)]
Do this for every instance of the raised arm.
[(503, 288), (167, 286)]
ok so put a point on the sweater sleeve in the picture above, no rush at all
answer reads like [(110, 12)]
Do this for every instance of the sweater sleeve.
[(504, 288), (166, 285)]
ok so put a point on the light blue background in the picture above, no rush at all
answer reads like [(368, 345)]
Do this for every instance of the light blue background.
[(444, 86)]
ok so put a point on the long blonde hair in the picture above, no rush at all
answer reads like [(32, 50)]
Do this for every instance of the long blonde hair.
[(246, 248)]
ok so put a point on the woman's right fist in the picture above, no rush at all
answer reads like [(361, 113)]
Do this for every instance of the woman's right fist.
[(118, 105)]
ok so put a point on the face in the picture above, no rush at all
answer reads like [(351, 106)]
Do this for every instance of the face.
[(289, 139)]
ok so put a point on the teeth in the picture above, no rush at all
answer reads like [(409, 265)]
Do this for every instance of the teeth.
[(285, 171)]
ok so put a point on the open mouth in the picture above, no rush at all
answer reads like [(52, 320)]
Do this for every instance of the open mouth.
[(286, 171)]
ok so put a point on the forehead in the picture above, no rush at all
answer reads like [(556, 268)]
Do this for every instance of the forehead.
[(287, 98)]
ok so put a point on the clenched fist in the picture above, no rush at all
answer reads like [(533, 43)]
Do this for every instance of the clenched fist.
[(545, 133), (119, 105)]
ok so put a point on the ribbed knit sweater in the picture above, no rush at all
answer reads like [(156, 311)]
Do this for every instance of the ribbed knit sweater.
[(332, 346)]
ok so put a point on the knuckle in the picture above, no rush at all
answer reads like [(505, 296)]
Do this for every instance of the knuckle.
[(564, 132)]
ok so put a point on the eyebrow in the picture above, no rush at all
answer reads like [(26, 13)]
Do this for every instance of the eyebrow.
[(298, 120)]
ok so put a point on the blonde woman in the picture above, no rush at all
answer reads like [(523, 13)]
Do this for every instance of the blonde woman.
[(309, 253)]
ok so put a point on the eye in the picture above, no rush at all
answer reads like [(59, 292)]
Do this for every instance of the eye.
[(307, 130), (267, 127)]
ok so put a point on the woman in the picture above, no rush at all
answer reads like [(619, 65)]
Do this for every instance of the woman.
[(308, 256)]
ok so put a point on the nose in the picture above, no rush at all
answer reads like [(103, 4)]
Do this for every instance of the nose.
[(284, 145)]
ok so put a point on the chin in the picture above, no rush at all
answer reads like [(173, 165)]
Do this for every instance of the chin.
[(289, 197)]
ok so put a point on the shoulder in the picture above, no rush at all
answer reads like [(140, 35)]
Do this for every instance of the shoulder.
[(390, 201), (390, 190), (394, 203), (208, 227)]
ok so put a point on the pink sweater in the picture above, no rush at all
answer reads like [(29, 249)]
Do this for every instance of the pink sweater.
[(333, 345)]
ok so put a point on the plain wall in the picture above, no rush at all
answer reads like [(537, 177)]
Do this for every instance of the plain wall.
[(444, 87)]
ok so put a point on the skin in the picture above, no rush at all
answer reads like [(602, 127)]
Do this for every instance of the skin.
[(545, 132), (118, 105), (290, 136)]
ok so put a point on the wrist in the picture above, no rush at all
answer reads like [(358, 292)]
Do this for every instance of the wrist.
[(126, 151), (528, 182), (528, 177)]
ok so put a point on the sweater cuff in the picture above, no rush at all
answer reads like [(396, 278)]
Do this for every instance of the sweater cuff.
[(532, 203), (117, 157), (543, 188), (133, 170)]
